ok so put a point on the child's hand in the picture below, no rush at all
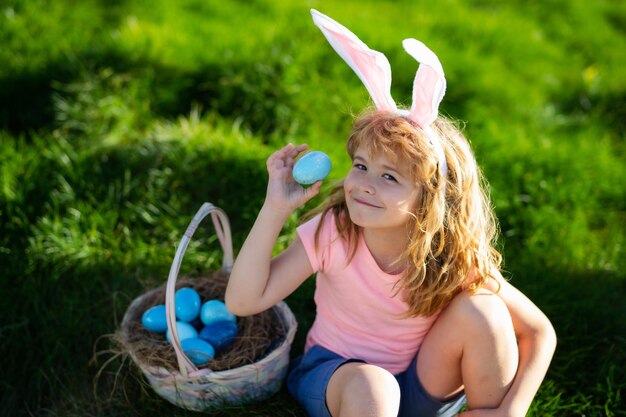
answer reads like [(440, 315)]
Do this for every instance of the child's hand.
[(284, 194)]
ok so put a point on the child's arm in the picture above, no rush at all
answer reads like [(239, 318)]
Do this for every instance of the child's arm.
[(257, 281), (536, 340)]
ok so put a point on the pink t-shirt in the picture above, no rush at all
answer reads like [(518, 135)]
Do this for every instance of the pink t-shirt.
[(357, 314)]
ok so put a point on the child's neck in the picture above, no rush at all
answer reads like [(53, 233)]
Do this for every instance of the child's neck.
[(386, 246)]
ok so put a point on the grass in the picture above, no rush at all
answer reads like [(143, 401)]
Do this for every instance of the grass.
[(118, 119)]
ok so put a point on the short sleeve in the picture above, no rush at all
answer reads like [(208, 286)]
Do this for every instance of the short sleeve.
[(319, 255)]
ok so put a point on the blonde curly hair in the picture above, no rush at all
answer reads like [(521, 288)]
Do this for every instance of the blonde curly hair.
[(453, 230)]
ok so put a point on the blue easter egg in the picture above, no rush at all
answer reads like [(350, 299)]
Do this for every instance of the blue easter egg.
[(185, 331), (187, 302), (219, 334), (312, 167), (215, 310), (154, 319), (198, 351)]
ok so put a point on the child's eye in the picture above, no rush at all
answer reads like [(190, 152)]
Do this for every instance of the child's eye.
[(360, 167), (390, 177)]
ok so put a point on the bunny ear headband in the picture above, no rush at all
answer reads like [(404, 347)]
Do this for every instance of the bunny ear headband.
[(374, 70)]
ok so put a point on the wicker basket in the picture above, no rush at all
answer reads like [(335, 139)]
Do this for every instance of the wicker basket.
[(199, 389)]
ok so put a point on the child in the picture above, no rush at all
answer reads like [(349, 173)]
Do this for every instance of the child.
[(413, 315)]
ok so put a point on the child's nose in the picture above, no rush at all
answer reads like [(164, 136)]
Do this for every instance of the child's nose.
[(366, 185)]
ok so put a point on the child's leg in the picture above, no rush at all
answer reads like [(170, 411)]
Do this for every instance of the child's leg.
[(358, 389), (471, 346)]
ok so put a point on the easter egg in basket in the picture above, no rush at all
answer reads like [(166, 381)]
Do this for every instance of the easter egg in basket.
[(219, 334), (187, 302), (154, 320), (185, 331), (199, 351), (215, 310)]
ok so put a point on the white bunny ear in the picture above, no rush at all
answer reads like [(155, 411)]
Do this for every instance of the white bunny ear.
[(429, 85), (371, 66)]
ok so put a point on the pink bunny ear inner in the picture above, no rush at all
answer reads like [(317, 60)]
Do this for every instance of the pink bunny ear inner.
[(429, 85), (427, 94), (371, 66)]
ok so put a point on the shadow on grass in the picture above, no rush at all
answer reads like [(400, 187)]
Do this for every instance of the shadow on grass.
[(253, 92), (588, 311), (579, 103)]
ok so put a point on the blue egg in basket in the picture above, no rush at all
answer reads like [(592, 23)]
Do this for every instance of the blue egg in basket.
[(185, 331), (154, 320), (198, 351), (187, 302), (311, 167), (219, 334), (215, 310)]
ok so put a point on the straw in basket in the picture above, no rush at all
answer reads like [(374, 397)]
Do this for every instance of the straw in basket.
[(198, 389)]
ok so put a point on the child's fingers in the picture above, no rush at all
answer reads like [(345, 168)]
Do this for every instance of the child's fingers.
[(313, 190), (285, 157), (295, 151), (291, 156), (286, 150), (275, 159), (298, 149)]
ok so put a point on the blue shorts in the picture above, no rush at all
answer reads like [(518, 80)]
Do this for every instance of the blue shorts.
[(309, 375)]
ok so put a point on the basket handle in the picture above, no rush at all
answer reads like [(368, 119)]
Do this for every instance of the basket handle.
[(222, 228)]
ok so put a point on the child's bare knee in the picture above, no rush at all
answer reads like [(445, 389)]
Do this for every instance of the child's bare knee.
[(365, 390), (482, 312), (491, 327), (490, 354)]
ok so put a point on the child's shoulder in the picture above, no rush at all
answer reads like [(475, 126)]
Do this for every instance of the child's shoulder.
[(325, 218), (320, 239), (320, 224)]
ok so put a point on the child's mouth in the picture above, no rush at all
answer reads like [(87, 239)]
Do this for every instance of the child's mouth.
[(365, 203)]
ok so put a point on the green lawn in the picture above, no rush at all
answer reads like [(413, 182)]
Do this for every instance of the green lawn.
[(118, 119)]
